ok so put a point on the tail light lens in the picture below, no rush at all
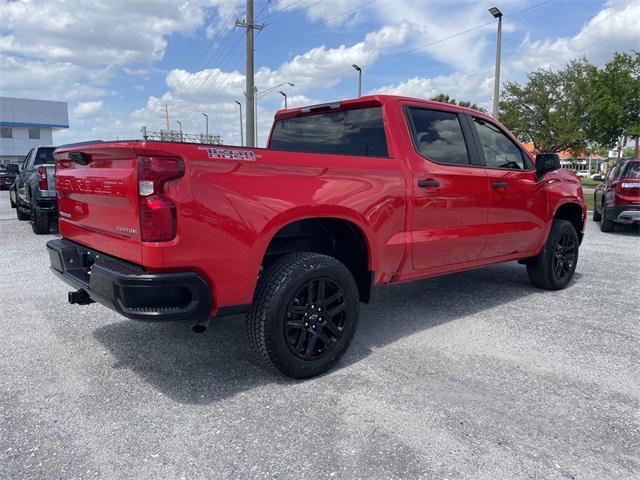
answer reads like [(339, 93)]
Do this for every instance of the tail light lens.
[(43, 183), (157, 213)]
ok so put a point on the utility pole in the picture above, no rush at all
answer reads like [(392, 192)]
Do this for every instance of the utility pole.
[(285, 98), (249, 73), (496, 82), (166, 116)]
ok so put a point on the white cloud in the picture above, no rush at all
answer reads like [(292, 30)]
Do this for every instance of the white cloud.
[(328, 66), (86, 109), (614, 28), (51, 80), (475, 87), (116, 32)]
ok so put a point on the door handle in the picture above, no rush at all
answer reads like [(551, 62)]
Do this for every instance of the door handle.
[(499, 184), (429, 182)]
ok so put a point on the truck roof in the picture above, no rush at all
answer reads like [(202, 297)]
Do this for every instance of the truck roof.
[(371, 100)]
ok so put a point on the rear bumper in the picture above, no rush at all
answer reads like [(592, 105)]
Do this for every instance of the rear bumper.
[(627, 214), (128, 289)]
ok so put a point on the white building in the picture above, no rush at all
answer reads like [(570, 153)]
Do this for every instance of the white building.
[(26, 123)]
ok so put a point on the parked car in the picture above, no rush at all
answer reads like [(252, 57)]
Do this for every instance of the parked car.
[(35, 189), (617, 198), (583, 173), (7, 177), (598, 177), (347, 195)]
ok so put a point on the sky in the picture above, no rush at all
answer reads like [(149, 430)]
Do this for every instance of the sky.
[(117, 63)]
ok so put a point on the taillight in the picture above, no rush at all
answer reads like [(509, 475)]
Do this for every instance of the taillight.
[(43, 183), (157, 213)]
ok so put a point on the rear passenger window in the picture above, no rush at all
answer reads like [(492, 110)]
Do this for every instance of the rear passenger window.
[(438, 136), (499, 150), (343, 132)]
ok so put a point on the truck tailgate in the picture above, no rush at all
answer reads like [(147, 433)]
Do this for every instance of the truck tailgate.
[(98, 198)]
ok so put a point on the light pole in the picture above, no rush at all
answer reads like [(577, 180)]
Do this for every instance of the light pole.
[(180, 126), (206, 126), (285, 98), (255, 116), (241, 139), (359, 70), (496, 82)]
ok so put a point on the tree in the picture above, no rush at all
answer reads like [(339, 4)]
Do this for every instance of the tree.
[(550, 110), (614, 101), (444, 98)]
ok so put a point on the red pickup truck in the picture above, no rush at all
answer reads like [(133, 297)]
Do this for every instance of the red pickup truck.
[(347, 195)]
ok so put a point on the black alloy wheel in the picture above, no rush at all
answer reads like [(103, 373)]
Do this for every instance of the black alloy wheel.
[(316, 319), (564, 256)]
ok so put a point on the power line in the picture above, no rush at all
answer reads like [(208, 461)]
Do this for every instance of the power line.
[(424, 46), (295, 12), (312, 27), (278, 11)]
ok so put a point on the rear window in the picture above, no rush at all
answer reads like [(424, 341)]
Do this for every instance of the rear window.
[(44, 156), (632, 170), (344, 132)]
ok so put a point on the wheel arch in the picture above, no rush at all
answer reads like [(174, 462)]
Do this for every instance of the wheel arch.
[(340, 233), (574, 213)]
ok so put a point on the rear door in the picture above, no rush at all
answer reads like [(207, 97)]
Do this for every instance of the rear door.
[(450, 190), (517, 203)]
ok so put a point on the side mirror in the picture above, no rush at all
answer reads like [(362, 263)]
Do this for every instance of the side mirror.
[(13, 168), (546, 162)]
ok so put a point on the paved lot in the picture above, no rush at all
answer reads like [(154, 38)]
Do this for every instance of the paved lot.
[(476, 375)]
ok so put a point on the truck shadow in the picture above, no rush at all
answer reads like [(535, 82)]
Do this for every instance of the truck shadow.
[(200, 369)]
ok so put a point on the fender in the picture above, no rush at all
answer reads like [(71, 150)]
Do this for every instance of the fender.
[(305, 212)]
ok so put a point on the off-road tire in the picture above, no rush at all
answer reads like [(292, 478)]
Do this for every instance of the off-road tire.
[(606, 225), (40, 221), (20, 212), (278, 286), (597, 216), (541, 268)]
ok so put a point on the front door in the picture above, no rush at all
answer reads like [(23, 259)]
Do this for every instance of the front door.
[(517, 204), (450, 191), (21, 179)]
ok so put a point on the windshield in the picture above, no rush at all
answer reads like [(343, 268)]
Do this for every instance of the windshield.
[(44, 156), (343, 132)]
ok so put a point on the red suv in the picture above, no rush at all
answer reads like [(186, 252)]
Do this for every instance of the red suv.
[(617, 198)]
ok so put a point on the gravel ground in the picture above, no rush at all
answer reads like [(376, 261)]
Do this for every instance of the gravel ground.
[(476, 375)]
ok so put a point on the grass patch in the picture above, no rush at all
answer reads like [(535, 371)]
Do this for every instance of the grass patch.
[(589, 199), (587, 182)]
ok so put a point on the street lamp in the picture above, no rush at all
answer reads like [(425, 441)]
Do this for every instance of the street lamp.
[(241, 139), (285, 98), (359, 70), (206, 126), (496, 82), (180, 126)]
